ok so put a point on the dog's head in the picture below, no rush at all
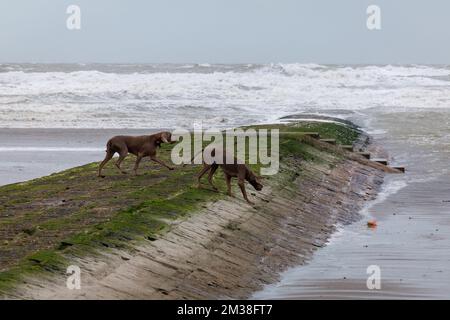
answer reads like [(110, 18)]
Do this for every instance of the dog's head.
[(164, 137), (255, 182)]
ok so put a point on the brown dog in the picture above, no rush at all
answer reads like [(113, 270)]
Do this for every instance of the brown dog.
[(141, 146), (230, 170)]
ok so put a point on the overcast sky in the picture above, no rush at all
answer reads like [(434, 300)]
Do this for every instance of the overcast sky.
[(225, 31)]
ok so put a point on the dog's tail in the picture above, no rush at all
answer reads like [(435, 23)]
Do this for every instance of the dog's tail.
[(108, 146)]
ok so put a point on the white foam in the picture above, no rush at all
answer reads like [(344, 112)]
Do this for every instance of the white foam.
[(237, 94), (389, 188)]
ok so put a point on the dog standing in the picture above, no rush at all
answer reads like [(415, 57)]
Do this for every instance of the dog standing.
[(231, 170), (141, 146)]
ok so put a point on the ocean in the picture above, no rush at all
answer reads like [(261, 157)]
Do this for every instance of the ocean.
[(169, 96)]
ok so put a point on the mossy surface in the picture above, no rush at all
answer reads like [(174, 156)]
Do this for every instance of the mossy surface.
[(46, 221)]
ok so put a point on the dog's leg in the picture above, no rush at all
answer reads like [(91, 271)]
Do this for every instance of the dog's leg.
[(228, 180), (161, 163), (122, 157), (108, 157), (205, 169), (241, 183), (213, 170), (136, 165)]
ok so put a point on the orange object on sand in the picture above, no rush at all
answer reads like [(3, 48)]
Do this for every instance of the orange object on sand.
[(372, 224)]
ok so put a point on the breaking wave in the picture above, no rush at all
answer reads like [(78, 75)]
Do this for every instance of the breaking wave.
[(154, 96)]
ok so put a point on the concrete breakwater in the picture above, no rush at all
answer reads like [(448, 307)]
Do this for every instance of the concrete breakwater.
[(218, 248)]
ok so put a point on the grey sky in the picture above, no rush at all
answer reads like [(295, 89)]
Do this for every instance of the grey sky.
[(225, 31)]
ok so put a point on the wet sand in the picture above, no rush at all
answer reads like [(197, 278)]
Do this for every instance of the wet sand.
[(411, 244), (31, 153)]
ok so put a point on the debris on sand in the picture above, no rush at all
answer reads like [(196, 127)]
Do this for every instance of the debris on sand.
[(372, 224)]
